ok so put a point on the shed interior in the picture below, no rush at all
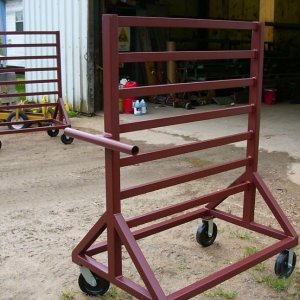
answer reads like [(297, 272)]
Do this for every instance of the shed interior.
[(282, 43)]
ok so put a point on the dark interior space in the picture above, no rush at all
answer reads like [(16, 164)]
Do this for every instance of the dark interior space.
[(281, 63)]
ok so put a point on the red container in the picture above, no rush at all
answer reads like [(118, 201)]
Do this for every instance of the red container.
[(270, 96), (128, 107)]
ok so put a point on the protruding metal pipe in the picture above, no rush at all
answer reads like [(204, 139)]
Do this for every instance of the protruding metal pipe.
[(102, 141)]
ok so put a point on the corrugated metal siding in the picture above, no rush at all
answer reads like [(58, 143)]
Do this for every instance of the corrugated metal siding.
[(2, 26), (12, 6), (2, 16), (70, 18)]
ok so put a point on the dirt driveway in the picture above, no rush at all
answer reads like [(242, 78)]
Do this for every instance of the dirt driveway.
[(51, 194)]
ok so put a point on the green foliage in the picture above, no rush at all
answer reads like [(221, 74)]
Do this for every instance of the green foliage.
[(220, 292), (250, 250), (20, 87), (276, 283), (67, 295), (243, 235), (260, 266), (116, 294), (73, 114)]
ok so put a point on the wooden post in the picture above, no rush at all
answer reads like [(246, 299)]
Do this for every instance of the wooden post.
[(266, 14)]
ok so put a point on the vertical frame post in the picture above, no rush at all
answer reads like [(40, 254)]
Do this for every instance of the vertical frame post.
[(255, 92), (111, 126), (58, 64)]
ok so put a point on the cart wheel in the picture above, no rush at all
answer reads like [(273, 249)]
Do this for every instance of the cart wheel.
[(66, 139), (202, 236), (282, 268), (169, 100), (101, 287), (188, 105), (53, 132), (12, 118)]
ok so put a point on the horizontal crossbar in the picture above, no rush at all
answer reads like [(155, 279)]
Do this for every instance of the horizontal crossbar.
[(179, 179), (131, 57), (163, 89), (181, 119)]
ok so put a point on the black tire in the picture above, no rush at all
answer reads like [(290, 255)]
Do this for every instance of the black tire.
[(188, 106), (202, 234), (66, 139), (99, 290), (170, 100), (0, 144), (53, 132), (12, 118), (282, 269)]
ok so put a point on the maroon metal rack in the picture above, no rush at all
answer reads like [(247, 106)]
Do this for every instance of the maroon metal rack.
[(41, 55), (96, 276)]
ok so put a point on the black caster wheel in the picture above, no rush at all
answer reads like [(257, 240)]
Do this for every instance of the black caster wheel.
[(66, 139), (0, 144), (188, 106), (13, 118), (100, 289), (53, 132), (202, 236), (282, 268)]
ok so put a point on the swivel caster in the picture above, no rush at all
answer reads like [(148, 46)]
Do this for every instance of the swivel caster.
[(285, 263), (53, 132), (66, 139), (188, 106), (206, 233), (96, 286)]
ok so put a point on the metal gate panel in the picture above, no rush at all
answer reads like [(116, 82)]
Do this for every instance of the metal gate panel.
[(120, 231)]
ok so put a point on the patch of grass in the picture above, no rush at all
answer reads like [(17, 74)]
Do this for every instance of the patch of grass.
[(116, 294), (297, 281), (67, 295), (20, 87), (243, 235), (276, 283), (220, 292), (250, 250), (73, 114), (260, 266)]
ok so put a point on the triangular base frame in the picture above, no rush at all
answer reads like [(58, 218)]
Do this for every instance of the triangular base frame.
[(118, 229), (87, 248)]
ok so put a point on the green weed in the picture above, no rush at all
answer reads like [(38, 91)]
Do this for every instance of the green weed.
[(243, 235), (276, 283), (220, 292), (260, 266), (20, 87), (67, 295), (116, 294), (73, 114), (250, 250)]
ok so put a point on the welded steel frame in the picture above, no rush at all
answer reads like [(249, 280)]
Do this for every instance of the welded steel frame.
[(60, 119), (119, 230)]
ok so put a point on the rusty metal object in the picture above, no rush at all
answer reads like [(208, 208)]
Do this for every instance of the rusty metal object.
[(31, 121)]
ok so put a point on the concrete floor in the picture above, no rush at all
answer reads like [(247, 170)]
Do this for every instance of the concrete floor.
[(279, 129)]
